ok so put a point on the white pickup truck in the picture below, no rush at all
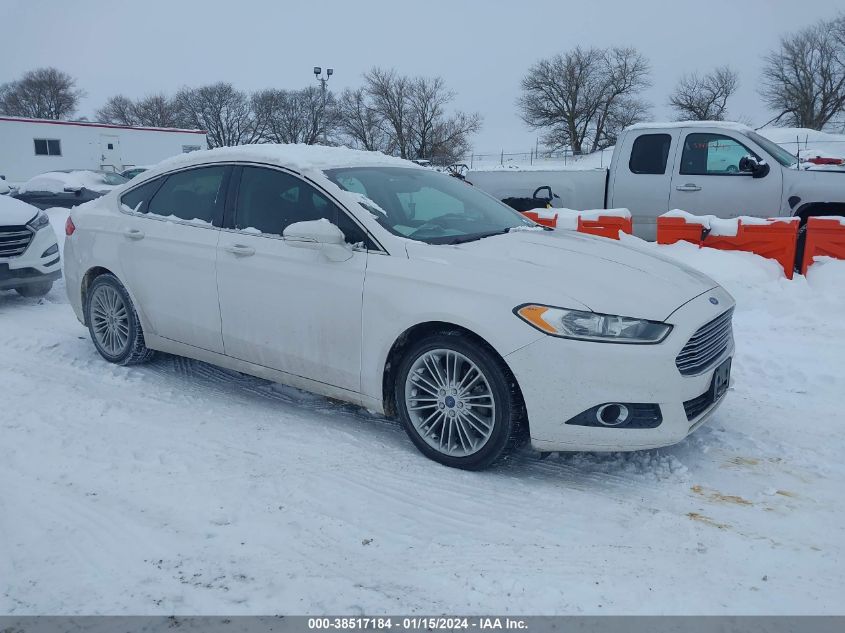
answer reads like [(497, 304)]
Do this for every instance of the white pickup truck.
[(717, 168)]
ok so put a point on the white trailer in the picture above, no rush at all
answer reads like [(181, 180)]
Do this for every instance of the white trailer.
[(29, 147)]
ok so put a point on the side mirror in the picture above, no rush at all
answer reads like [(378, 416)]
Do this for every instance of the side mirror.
[(750, 165), (319, 235)]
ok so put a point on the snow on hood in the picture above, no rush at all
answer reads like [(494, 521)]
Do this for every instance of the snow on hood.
[(556, 267), (59, 181), (13, 212)]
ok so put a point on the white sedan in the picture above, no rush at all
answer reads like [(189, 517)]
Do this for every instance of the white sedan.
[(372, 280)]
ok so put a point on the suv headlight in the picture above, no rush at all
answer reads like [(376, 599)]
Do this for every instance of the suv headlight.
[(591, 326), (39, 221)]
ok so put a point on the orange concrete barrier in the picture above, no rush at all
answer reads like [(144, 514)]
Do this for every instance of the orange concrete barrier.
[(825, 237), (606, 226), (671, 230), (542, 217), (774, 239)]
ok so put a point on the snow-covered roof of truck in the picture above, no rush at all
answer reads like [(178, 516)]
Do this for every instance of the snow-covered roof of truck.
[(298, 157), (730, 125)]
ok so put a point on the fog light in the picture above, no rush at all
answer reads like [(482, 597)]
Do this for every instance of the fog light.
[(619, 415), (612, 414)]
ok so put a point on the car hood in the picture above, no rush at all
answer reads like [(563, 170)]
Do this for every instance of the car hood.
[(14, 212), (553, 266)]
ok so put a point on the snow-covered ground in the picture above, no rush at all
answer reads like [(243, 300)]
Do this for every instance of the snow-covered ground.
[(177, 487)]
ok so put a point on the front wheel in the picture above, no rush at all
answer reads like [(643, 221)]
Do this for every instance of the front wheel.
[(457, 401), (113, 323)]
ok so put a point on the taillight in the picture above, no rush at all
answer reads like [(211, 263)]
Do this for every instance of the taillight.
[(70, 227)]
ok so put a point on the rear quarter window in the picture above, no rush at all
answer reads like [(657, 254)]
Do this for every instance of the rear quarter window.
[(138, 199)]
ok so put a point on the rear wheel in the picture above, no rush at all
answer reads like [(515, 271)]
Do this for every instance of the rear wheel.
[(35, 290), (457, 401), (113, 323)]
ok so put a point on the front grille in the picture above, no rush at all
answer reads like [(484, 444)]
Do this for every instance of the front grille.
[(14, 240), (706, 345)]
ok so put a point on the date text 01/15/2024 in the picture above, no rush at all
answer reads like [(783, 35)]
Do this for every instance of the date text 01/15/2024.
[(417, 623)]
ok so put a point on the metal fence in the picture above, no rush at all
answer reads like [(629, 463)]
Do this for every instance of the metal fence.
[(532, 157)]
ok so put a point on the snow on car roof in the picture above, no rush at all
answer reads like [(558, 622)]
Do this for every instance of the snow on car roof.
[(298, 157), (58, 181), (730, 125)]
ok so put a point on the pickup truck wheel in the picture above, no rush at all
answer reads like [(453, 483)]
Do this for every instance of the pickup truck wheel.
[(35, 290), (455, 401)]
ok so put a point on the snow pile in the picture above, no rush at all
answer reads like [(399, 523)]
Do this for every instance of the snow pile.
[(807, 143), (727, 227), (568, 218), (61, 181)]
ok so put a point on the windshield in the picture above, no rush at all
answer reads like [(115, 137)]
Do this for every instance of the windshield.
[(110, 178), (780, 155), (428, 206)]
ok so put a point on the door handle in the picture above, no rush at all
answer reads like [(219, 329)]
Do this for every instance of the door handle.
[(134, 234), (688, 187), (240, 250)]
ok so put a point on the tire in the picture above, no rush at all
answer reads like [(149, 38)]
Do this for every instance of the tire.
[(35, 290), (450, 427), (113, 323)]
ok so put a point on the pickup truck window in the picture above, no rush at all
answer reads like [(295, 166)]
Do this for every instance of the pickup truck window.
[(712, 155), (780, 154), (650, 154)]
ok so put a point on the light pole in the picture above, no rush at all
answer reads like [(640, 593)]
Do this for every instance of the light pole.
[(323, 81)]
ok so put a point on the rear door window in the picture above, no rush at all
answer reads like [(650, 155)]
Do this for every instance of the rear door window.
[(193, 195), (650, 154)]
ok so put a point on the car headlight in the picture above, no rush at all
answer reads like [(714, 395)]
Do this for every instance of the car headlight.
[(591, 326), (39, 221)]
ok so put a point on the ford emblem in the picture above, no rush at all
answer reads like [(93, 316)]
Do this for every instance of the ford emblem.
[(714, 301)]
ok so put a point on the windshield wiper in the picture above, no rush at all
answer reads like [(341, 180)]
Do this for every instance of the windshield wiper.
[(463, 239)]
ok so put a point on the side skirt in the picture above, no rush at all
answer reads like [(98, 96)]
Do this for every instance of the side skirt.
[(221, 360)]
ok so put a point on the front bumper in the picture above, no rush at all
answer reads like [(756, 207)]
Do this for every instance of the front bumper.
[(562, 378), (31, 267)]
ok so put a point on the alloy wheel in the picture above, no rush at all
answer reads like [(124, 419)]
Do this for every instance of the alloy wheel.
[(110, 320), (450, 402)]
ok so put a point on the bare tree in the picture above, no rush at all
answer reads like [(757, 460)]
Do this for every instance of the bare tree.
[(804, 80), (157, 110), (44, 93), (119, 110), (359, 122), (704, 98), (390, 94), (226, 114), (405, 116), (296, 116), (581, 97)]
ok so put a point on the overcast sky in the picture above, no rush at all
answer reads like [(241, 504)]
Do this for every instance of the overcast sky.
[(482, 48)]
